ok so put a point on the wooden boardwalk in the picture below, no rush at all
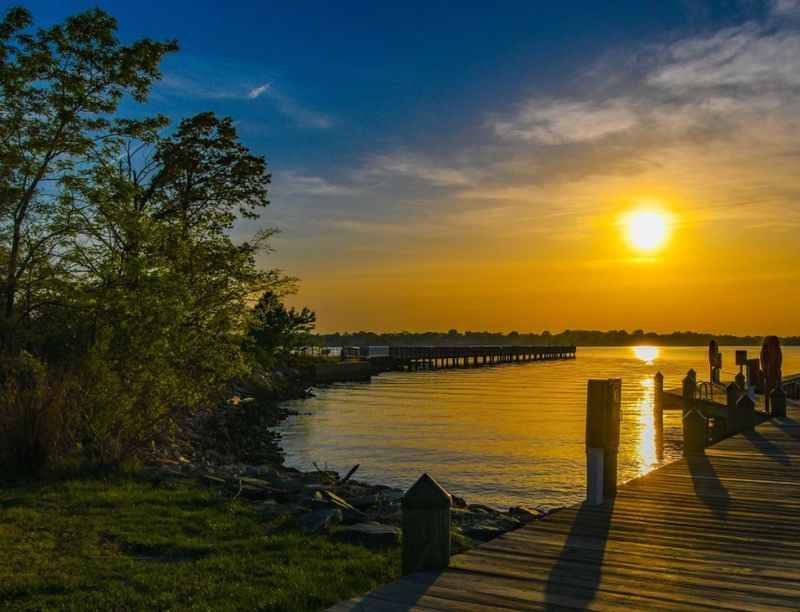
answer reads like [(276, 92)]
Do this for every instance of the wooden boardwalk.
[(719, 532)]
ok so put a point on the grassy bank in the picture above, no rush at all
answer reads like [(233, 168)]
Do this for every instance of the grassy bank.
[(92, 544)]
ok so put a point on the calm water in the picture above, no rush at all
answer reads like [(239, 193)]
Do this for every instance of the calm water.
[(511, 434)]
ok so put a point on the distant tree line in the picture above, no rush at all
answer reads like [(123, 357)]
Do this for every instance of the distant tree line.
[(576, 337)]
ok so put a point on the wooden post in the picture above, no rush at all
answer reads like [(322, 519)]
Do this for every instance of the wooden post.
[(658, 412), (603, 415), (694, 423), (426, 526), (746, 410), (778, 397), (732, 393)]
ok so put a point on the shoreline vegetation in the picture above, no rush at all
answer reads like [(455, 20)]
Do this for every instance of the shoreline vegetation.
[(565, 338)]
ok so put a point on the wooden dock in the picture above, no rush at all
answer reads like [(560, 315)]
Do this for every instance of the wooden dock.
[(719, 531), (439, 357)]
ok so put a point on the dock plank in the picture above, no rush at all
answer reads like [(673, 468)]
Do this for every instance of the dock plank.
[(720, 532)]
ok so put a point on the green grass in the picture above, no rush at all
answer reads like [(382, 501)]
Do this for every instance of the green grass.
[(123, 544)]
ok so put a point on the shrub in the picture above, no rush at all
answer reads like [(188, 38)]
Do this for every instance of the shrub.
[(34, 415)]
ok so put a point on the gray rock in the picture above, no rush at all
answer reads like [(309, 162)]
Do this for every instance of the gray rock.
[(391, 495), (372, 535), (525, 515), (483, 531), (319, 521), (459, 502), (365, 501)]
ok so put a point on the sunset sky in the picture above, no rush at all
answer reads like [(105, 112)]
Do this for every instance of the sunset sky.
[(472, 165)]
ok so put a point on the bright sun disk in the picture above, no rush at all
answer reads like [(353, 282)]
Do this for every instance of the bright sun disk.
[(647, 230)]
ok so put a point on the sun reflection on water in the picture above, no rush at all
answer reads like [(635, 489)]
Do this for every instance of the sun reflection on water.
[(647, 448), (648, 354)]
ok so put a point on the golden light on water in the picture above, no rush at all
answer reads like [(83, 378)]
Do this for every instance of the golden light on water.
[(648, 354), (647, 448), (647, 229)]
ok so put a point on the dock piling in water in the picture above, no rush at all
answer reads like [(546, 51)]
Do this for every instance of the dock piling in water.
[(603, 414), (694, 423), (658, 412), (778, 403)]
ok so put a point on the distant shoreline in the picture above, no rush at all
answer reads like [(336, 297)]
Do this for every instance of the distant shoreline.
[(580, 338)]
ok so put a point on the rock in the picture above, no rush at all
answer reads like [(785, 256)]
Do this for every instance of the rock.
[(482, 508), (318, 521), (483, 532), (459, 502), (330, 499), (392, 495), (525, 515), (372, 535), (365, 501), (253, 493)]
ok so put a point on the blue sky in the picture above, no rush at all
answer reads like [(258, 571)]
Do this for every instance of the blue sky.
[(445, 133)]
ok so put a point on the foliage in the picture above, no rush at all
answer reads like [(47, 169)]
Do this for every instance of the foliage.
[(277, 331), (125, 545), (117, 267), (34, 415)]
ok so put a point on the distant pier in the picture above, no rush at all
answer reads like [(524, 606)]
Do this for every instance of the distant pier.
[(441, 357)]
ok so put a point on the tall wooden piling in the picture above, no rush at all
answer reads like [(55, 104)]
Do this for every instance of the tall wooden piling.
[(732, 393), (603, 415), (694, 423), (426, 526), (658, 413), (778, 401), (746, 412)]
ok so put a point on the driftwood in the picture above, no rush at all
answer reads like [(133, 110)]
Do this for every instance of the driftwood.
[(351, 472)]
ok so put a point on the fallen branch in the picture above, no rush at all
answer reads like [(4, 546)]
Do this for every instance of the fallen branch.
[(351, 472)]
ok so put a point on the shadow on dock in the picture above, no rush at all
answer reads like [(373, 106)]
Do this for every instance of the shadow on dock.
[(767, 447), (579, 567), (788, 426), (395, 596), (708, 487)]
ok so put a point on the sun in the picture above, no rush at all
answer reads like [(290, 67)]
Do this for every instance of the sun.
[(647, 229)]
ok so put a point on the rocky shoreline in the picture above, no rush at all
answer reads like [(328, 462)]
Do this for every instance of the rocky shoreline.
[(233, 450)]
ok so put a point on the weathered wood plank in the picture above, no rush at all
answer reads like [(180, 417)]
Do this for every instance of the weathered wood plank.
[(719, 532)]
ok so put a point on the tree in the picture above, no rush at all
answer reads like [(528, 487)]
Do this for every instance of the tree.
[(60, 88), (119, 272), (277, 331)]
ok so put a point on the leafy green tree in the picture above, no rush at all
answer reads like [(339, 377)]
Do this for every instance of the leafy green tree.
[(276, 332), (60, 88), (118, 266)]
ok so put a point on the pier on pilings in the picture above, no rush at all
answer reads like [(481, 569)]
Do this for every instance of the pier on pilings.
[(414, 358)]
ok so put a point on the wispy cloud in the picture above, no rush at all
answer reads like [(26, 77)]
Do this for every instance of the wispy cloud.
[(291, 108), (257, 91), (294, 183), (565, 121), (415, 167), (216, 83)]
